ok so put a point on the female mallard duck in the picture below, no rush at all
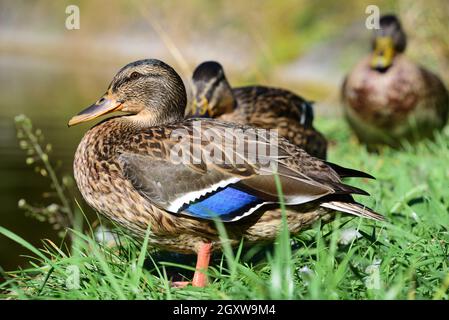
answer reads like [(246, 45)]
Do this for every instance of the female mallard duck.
[(259, 106), (388, 98), (153, 168)]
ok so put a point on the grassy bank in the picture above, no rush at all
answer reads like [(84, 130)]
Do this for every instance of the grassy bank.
[(350, 258)]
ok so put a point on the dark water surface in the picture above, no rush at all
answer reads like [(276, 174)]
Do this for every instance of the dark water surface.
[(49, 93)]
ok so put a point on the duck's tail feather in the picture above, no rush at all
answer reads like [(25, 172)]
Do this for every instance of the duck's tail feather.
[(347, 172), (353, 208)]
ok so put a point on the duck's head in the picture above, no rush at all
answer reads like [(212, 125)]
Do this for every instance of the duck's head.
[(212, 94), (388, 41), (150, 91)]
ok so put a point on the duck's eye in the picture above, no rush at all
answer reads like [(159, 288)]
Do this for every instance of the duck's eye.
[(135, 75)]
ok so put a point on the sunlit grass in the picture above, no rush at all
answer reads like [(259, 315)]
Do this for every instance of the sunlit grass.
[(403, 258)]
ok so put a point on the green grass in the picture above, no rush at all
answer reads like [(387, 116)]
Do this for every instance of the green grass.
[(403, 258)]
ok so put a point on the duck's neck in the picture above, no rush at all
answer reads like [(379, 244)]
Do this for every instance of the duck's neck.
[(145, 119)]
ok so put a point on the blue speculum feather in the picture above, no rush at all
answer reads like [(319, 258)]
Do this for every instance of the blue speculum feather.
[(225, 204)]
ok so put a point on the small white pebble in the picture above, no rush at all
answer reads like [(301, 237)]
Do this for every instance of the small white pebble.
[(104, 235), (306, 270), (306, 273), (372, 281), (349, 235)]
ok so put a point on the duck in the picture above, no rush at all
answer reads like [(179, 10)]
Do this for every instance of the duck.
[(173, 179), (387, 98), (259, 106)]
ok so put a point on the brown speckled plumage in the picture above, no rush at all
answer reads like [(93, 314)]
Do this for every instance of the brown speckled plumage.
[(401, 101), (259, 106), (123, 168)]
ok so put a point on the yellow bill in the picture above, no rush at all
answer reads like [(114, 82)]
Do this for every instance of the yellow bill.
[(201, 108), (383, 53)]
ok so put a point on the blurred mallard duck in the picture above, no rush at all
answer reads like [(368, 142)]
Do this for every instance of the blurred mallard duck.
[(259, 106), (153, 168), (387, 98)]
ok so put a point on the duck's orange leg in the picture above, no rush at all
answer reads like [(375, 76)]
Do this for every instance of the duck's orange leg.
[(202, 263)]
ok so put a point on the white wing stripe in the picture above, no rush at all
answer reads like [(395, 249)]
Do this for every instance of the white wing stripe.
[(194, 195)]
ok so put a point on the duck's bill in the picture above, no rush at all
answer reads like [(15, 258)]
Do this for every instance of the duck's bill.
[(101, 107), (201, 108), (383, 53)]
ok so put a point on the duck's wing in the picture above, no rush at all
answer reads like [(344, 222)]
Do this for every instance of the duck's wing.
[(436, 95), (266, 104), (196, 181)]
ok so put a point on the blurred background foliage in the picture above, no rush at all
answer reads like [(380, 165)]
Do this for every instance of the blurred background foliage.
[(49, 73)]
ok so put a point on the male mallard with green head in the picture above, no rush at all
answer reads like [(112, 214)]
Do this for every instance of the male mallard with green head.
[(140, 170), (259, 106), (387, 98)]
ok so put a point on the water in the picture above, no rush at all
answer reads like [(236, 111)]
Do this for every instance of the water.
[(49, 93)]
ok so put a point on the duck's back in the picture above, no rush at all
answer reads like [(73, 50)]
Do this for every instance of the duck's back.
[(406, 101), (273, 108)]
